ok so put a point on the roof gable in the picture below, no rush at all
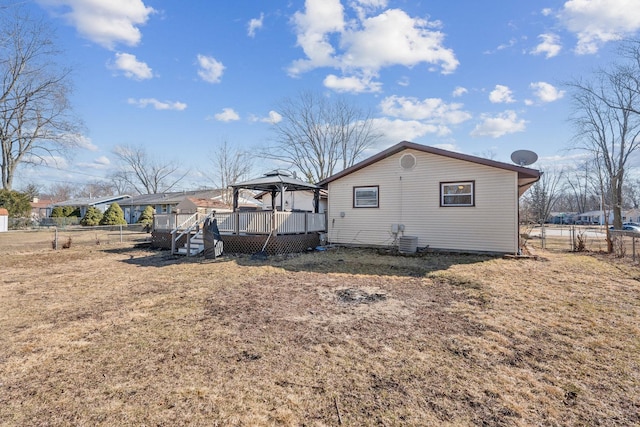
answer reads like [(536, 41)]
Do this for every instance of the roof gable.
[(526, 175)]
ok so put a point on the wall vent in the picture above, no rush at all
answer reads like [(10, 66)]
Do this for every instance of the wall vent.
[(408, 161)]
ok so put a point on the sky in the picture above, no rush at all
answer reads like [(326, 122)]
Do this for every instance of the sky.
[(484, 78)]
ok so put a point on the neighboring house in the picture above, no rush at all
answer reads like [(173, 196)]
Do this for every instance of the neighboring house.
[(448, 201), (201, 205), (41, 208), (101, 203), (597, 217), (294, 201), (167, 203)]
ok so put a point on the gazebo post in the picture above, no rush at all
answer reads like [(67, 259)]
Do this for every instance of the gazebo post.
[(316, 200), (236, 215)]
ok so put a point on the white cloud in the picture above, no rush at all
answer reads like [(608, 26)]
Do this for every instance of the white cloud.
[(131, 67), (434, 110), (210, 69), (351, 84), (366, 44), (321, 18), (106, 22), (158, 105), (549, 46), (596, 22), (254, 24), (273, 118), (84, 142), (459, 91), (546, 92), (101, 162), (396, 130), (395, 38), (500, 125), (227, 115), (501, 95)]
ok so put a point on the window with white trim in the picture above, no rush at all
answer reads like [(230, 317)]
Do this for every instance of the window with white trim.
[(457, 193), (365, 197)]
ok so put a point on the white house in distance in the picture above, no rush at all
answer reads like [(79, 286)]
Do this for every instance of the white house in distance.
[(448, 201)]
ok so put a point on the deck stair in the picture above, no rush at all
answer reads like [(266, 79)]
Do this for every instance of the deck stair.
[(194, 246)]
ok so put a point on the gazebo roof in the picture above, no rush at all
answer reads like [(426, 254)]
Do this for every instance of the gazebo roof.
[(275, 181)]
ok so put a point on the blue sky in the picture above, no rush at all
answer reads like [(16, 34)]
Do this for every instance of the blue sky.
[(179, 78)]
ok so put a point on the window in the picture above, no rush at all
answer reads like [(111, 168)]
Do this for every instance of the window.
[(457, 193), (365, 197)]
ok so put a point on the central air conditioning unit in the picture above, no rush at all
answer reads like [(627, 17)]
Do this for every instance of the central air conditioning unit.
[(408, 244)]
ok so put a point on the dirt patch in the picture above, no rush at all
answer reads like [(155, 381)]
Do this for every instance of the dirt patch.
[(359, 296)]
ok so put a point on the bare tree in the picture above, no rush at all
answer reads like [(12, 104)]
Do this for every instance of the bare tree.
[(96, 189), (36, 119), (230, 165), (607, 121), (319, 136), (582, 187), (542, 196), (143, 173), (61, 192)]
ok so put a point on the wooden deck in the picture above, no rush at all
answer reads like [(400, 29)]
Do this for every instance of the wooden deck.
[(245, 232)]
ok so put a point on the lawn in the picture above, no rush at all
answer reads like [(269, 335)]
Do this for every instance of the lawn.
[(118, 335)]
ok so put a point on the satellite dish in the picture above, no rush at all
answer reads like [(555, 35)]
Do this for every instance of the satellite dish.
[(524, 157)]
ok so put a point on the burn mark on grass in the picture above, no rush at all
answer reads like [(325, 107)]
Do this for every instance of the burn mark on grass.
[(246, 356), (358, 296)]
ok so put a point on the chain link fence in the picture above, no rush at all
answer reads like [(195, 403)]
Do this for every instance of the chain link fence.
[(572, 238), (62, 237)]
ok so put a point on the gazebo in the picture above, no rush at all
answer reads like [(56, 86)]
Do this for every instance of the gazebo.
[(273, 231)]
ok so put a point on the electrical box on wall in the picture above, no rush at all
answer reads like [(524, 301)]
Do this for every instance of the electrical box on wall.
[(397, 228)]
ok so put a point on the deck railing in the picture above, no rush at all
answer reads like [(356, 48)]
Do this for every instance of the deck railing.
[(250, 222), (262, 222)]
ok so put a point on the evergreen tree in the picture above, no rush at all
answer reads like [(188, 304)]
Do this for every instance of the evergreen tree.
[(146, 217), (18, 204), (76, 213), (92, 217), (113, 216), (57, 212), (68, 210)]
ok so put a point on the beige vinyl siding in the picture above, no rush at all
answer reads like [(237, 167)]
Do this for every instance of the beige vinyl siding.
[(412, 198)]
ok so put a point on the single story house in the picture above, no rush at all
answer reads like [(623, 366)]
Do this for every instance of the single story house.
[(167, 203), (437, 198), (101, 203)]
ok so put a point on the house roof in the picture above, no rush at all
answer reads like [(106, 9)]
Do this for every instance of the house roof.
[(526, 176), (208, 203), (90, 201), (169, 198), (274, 181)]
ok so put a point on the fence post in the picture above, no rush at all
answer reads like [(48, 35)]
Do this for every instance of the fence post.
[(120, 233), (633, 247), (55, 239)]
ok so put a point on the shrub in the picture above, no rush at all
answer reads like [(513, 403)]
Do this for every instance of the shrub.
[(68, 210), (113, 216), (57, 212), (146, 217), (92, 217)]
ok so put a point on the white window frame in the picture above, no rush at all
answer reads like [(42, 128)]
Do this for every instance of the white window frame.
[(444, 196), (357, 203)]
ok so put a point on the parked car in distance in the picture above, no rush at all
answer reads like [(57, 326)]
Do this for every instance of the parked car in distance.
[(628, 227)]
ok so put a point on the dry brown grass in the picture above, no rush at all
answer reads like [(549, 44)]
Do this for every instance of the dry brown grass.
[(124, 336)]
